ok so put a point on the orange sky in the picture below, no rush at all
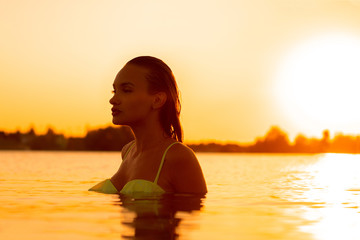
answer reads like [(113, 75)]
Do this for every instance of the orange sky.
[(237, 63)]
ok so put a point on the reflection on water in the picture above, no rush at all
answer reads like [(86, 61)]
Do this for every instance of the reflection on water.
[(43, 195), (335, 180), (155, 218)]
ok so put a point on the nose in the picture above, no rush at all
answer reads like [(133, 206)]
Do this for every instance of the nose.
[(114, 100)]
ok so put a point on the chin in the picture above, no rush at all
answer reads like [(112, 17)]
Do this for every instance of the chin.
[(117, 121)]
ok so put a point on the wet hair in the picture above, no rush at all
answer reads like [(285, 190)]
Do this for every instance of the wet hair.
[(161, 79)]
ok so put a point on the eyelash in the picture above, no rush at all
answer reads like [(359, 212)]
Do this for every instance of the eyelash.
[(125, 91)]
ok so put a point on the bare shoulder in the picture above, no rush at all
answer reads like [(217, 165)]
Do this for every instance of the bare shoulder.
[(182, 158), (180, 153)]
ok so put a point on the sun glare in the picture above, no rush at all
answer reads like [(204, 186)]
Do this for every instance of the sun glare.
[(318, 82)]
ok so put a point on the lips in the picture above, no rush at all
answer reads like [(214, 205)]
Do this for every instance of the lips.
[(115, 111)]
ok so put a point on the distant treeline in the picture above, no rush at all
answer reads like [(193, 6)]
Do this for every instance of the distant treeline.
[(103, 139), (114, 138), (277, 141)]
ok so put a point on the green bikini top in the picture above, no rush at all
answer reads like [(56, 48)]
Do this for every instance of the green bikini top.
[(135, 186)]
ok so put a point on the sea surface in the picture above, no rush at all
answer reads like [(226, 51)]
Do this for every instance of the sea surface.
[(44, 195)]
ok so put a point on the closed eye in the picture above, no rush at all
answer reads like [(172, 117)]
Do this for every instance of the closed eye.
[(127, 90)]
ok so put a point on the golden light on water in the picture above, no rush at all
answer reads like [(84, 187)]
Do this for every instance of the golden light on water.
[(252, 196), (338, 188)]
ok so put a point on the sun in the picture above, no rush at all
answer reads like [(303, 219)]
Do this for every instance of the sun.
[(318, 83)]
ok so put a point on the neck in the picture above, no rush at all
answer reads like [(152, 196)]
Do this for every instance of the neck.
[(148, 135)]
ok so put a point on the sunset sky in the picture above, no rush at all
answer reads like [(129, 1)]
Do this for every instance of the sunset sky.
[(241, 66)]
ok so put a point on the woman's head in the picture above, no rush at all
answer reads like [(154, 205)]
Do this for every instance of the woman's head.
[(139, 80)]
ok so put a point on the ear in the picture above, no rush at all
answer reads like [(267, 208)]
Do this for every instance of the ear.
[(159, 100)]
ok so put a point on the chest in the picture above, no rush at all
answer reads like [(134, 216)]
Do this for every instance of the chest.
[(146, 167)]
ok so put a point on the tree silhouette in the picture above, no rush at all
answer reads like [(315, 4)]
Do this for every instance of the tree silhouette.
[(275, 140), (108, 139)]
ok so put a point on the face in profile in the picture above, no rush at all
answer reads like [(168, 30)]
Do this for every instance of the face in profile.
[(131, 100)]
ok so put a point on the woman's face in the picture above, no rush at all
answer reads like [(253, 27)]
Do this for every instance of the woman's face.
[(131, 100)]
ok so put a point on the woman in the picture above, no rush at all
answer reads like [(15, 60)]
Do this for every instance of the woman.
[(146, 98)]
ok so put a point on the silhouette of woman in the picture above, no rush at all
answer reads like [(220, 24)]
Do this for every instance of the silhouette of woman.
[(146, 99)]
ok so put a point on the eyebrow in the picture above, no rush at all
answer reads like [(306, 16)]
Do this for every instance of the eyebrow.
[(125, 84)]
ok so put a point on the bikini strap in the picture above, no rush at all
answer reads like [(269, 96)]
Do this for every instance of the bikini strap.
[(128, 150), (162, 162)]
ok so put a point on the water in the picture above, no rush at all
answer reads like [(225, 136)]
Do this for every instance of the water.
[(43, 195)]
